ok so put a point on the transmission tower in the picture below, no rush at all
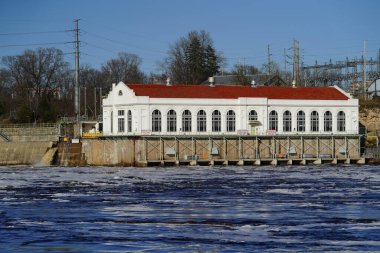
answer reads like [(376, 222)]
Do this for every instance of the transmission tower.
[(296, 62)]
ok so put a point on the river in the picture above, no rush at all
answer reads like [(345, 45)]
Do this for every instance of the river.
[(190, 209)]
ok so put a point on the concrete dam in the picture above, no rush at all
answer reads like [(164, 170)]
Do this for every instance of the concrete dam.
[(41, 145)]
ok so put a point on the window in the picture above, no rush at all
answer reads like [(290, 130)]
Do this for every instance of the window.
[(216, 121), (327, 122), (252, 115), (186, 121), (120, 125), (111, 121), (287, 122), (172, 121), (231, 121), (120, 93), (301, 121), (314, 121), (129, 119), (273, 121), (201, 121), (156, 121), (120, 112), (341, 121)]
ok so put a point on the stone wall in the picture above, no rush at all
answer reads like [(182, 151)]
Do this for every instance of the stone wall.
[(19, 133)]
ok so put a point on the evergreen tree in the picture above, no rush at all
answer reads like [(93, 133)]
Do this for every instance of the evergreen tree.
[(211, 63), (193, 59)]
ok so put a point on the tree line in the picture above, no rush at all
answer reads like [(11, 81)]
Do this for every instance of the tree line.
[(38, 85)]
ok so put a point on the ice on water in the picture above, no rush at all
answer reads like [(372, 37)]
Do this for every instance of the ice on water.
[(187, 209)]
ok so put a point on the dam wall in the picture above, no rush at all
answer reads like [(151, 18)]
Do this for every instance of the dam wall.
[(221, 150), (31, 153), (124, 152), (28, 143)]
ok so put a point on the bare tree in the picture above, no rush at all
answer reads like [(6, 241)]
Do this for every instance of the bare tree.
[(126, 68), (36, 77), (242, 73)]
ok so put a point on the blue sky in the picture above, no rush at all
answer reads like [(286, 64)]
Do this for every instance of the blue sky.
[(241, 29)]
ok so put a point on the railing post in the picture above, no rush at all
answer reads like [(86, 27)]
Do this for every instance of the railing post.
[(346, 146), (257, 147)]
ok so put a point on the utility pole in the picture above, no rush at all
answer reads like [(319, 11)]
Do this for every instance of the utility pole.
[(85, 102), (365, 70), (95, 103), (296, 62), (100, 101), (269, 70), (77, 91), (354, 77)]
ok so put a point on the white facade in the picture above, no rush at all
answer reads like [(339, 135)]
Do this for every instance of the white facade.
[(124, 113)]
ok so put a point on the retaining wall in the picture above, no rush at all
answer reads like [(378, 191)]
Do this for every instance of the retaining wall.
[(13, 153)]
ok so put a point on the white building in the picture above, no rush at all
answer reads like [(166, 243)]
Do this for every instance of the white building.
[(139, 109)]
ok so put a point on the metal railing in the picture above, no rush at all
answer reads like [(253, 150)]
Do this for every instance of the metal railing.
[(29, 125)]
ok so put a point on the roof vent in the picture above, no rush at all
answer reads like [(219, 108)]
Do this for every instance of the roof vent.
[(211, 81), (168, 82), (294, 84), (253, 83)]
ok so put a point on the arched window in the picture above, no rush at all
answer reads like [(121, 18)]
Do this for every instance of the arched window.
[(156, 121), (201, 121), (231, 121), (120, 121), (186, 121), (314, 121), (129, 120), (301, 121), (120, 93), (327, 121), (172, 121), (216, 121), (287, 121), (273, 121), (252, 115), (341, 120)]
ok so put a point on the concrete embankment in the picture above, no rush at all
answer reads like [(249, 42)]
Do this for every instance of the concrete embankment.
[(13, 153), (28, 144)]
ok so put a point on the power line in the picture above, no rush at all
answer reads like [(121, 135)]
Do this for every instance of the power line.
[(34, 44), (28, 33), (123, 43)]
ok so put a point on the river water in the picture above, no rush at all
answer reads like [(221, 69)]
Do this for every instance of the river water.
[(190, 209)]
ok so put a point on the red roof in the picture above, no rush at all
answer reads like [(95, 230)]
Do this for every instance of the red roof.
[(237, 91)]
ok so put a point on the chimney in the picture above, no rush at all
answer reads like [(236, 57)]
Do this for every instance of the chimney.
[(253, 83), (113, 86), (211, 81), (168, 82)]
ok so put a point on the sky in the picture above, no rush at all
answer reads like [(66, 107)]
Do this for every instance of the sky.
[(240, 29)]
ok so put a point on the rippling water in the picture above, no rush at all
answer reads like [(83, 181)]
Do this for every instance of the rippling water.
[(190, 209)]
